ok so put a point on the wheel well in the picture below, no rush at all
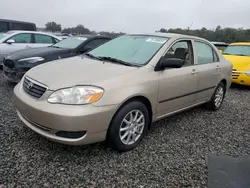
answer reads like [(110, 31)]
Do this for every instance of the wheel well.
[(224, 82), (143, 100)]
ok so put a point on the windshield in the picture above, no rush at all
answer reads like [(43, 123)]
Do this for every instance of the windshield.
[(70, 43), (242, 50), (135, 49)]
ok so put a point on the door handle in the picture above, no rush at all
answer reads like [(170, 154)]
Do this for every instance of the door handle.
[(218, 68), (194, 72)]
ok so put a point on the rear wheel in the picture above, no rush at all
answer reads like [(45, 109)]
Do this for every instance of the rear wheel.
[(217, 98), (128, 126)]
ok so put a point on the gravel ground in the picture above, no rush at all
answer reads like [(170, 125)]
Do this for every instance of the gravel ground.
[(172, 155)]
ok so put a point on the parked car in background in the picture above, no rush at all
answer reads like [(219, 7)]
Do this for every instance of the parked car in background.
[(220, 45), (7, 25), (18, 63), (62, 36), (12, 41), (117, 90), (239, 55)]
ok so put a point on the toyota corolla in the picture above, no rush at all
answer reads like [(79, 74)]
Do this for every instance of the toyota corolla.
[(117, 90)]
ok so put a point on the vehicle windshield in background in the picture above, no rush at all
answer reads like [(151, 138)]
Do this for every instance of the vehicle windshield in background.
[(242, 50), (221, 47), (70, 43), (134, 49), (2, 35)]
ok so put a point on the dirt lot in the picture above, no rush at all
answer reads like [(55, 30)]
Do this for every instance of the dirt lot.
[(172, 155)]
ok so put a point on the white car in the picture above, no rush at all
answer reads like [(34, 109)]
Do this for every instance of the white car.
[(12, 41)]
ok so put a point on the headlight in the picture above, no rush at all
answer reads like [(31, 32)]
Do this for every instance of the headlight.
[(248, 73), (31, 59), (76, 95)]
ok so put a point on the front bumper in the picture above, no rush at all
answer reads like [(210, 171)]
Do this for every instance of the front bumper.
[(48, 119), (12, 75), (240, 77)]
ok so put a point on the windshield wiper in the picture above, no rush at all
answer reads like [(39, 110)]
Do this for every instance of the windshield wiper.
[(92, 56), (111, 59), (234, 54), (240, 54)]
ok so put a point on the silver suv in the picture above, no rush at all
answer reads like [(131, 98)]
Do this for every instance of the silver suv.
[(117, 90)]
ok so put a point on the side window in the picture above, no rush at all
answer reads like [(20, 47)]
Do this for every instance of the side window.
[(22, 38), (181, 50), (205, 53), (22, 26), (95, 43), (43, 39), (4, 26)]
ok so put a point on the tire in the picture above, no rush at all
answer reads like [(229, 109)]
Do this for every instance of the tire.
[(212, 105), (115, 135)]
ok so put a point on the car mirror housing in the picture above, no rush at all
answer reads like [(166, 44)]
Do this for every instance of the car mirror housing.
[(10, 41), (169, 63)]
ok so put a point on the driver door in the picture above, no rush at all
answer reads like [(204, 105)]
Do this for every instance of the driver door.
[(178, 86), (22, 41)]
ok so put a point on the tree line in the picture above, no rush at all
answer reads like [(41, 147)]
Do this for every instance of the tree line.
[(218, 34), (79, 29)]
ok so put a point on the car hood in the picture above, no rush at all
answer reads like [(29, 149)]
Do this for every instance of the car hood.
[(240, 63), (36, 52), (76, 71)]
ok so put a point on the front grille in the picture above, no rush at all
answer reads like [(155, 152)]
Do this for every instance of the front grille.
[(32, 88), (8, 63), (235, 76)]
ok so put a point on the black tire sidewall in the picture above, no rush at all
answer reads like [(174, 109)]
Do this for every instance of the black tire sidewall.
[(114, 129)]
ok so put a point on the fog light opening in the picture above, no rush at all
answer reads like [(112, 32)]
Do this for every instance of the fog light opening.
[(71, 135)]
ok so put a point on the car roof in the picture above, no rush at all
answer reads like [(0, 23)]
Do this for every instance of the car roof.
[(240, 43), (33, 32), (93, 36), (169, 35)]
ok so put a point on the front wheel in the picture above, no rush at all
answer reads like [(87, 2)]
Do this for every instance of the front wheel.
[(217, 98), (128, 126)]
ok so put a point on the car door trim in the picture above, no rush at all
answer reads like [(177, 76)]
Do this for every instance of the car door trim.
[(179, 110), (185, 95)]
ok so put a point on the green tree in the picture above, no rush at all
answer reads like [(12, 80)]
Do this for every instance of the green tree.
[(53, 27), (218, 34)]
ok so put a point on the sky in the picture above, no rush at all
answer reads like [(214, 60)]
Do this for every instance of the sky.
[(130, 16)]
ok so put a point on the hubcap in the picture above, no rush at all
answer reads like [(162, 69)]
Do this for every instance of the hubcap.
[(132, 127), (219, 96)]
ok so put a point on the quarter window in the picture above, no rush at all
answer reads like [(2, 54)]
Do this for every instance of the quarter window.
[(205, 53), (22, 38), (43, 39)]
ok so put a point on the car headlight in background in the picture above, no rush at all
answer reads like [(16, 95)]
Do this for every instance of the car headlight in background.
[(76, 95), (31, 60), (248, 73)]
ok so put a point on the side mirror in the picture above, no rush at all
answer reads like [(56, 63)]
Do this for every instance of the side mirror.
[(10, 41), (85, 49), (171, 63)]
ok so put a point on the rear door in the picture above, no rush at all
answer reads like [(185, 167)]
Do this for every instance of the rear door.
[(41, 40), (208, 70)]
